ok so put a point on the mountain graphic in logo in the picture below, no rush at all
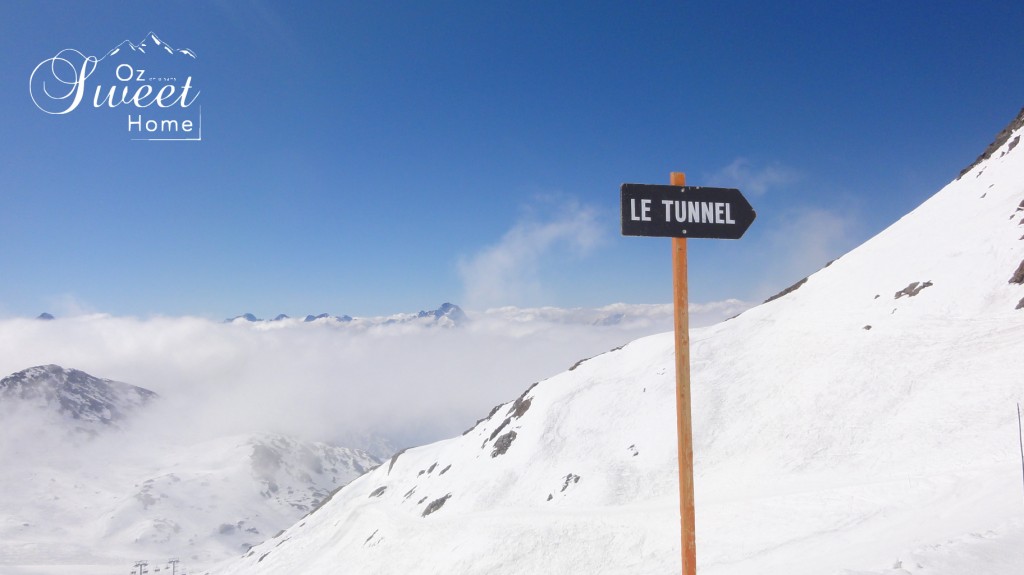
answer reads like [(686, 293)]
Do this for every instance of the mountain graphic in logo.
[(150, 45)]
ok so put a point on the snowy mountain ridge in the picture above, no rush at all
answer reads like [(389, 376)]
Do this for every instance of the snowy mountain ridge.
[(451, 315), (74, 394), (862, 423), (118, 492), (447, 315), (228, 494)]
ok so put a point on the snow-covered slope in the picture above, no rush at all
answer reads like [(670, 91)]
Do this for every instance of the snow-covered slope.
[(864, 423), (223, 496), (93, 502)]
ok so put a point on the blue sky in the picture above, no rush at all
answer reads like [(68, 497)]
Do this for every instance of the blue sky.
[(368, 158)]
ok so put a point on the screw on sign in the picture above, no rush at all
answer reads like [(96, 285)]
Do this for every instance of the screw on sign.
[(679, 212)]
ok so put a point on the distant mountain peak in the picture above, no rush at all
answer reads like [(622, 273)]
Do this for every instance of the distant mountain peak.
[(74, 393), (448, 313), (327, 316), (244, 317)]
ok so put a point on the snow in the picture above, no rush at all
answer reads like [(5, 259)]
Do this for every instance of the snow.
[(100, 503), (837, 430)]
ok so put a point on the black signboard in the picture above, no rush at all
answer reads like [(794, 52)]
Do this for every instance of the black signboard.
[(684, 212)]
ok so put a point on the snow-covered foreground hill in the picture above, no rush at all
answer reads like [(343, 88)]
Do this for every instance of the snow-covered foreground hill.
[(863, 424), (84, 490)]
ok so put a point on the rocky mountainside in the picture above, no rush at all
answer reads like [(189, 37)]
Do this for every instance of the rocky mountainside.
[(865, 422), (74, 394)]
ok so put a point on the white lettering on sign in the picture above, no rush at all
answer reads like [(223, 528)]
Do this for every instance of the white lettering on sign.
[(645, 210), (697, 212)]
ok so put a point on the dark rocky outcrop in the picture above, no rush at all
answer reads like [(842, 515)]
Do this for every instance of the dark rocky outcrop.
[(436, 504), (1018, 276), (1000, 139), (503, 443), (787, 291), (913, 289)]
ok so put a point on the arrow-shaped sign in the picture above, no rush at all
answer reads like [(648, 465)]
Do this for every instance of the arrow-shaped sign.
[(684, 212)]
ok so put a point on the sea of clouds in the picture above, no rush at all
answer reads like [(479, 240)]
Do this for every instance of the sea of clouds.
[(407, 382)]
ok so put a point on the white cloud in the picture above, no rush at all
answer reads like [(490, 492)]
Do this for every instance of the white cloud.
[(710, 313), (320, 381), (68, 304), (755, 180), (805, 240), (510, 272)]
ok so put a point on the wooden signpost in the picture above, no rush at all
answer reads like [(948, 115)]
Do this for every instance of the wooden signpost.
[(682, 212)]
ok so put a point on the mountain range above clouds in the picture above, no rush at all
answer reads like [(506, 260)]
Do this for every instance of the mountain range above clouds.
[(451, 315), (447, 314)]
